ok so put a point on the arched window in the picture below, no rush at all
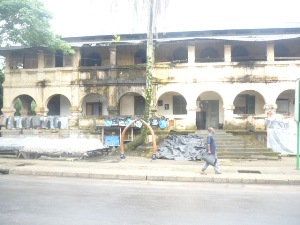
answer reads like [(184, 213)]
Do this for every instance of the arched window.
[(180, 55), (140, 56), (280, 50), (92, 59), (209, 54), (239, 53)]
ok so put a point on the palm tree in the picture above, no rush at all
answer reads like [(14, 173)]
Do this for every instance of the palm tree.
[(152, 9)]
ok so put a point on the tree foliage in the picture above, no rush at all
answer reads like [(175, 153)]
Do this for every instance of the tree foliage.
[(27, 22)]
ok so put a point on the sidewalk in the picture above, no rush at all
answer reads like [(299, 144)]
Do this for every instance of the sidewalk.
[(138, 168)]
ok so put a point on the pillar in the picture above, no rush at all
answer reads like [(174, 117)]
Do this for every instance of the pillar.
[(190, 119), (74, 118), (76, 58), (7, 62), (227, 53), (228, 116), (270, 51), (113, 55), (41, 59), (8, 111), (191, 54), (113, 108), (25, 108)]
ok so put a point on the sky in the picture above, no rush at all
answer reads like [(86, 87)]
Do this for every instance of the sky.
[(96, 17)]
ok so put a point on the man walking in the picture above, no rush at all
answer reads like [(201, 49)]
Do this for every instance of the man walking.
[(211, 149)]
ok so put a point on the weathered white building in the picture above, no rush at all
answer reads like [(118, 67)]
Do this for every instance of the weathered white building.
[(205, 78)]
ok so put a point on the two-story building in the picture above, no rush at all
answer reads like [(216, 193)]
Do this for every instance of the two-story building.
[(200, 79)]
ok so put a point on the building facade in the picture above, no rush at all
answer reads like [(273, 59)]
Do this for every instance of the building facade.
[(221, 78)]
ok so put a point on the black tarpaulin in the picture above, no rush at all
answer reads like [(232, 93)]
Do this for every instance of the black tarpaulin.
[(182, 147)]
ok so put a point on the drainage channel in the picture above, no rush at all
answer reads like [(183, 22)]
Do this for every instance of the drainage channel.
[(249, 171)]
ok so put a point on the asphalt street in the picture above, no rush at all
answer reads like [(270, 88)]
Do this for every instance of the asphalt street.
[(30, 200)]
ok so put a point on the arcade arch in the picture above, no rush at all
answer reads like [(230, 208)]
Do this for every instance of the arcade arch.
[(209, 110), (132, 104), (249, 102), (24, 105), (171, 103), (286, 103), (94, 105), (58, 105)]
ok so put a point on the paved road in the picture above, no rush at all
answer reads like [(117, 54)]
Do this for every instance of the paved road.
[(54, 200)]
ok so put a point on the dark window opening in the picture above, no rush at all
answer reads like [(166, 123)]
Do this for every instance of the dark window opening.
[(94, 109), (239, 53), (282, 106), (54, 106), (49, 59), (244, 104), (179, 105), (140, 56), (209, 54), (280, 51), (92, 59), (180, 55), (17, 60), (139, 105), (30, 60), (59, 59)]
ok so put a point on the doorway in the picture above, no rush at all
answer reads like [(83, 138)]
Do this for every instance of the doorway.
[(209, 115)]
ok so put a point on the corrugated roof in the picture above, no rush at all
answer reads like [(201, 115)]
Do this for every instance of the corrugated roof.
[(193, 36), (260, 38)]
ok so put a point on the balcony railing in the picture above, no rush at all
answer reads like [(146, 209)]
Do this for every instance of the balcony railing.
[(249, 71)]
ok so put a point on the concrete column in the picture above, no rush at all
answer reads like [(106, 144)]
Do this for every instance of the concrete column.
[(227, 53), (41, 111), (190, 119), (113, 55), (76, 58), (7, 62), (191, 54), (228, 116), (74, 118), (41, 59), (113, 108), (270, 52), (26, 106), (8, 111)]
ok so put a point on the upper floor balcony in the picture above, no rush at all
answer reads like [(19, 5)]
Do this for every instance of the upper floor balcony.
[(175, 61), (168, 72)]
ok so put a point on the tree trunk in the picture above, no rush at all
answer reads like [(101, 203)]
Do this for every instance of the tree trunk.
[(149, 71)]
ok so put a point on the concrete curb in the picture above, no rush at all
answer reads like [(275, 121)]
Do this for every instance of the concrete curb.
[(169, 177)]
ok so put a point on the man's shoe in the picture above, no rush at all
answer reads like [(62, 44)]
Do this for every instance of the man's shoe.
[(203, 172), (218, 172)]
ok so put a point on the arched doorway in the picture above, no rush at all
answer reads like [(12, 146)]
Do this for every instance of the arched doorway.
[(58, 105), (94, 105), (132, 104), (209, 114), (171, 103), (249, 102), (286, 103), (24, 105)]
